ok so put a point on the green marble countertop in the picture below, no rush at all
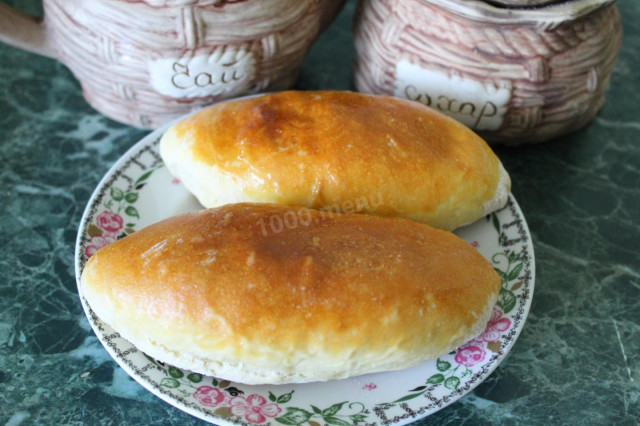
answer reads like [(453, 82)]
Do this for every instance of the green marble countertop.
[(576, 362)]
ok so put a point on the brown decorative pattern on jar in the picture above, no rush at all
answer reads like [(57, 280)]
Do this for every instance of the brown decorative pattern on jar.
[(513, 75)]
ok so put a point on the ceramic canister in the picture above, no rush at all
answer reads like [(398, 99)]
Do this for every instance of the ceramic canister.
[(146, 62), (513, 74)]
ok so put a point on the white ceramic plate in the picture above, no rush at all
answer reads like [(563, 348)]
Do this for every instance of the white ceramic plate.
[(138, 191)]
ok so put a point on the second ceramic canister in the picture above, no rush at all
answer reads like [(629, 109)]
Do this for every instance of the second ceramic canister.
[(513, 74)]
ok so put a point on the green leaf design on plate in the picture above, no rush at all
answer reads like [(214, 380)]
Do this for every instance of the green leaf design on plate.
[(419, 388), (131, 197), (358, 418), (151, 359), (194, 377), (284, 398), (294, 416), (506, 300), (333, 409), (515, 272), (452, 382), (336, 421), (272, 397), (170, 382), (144, 177), (132, 211), (408, 397), (176, 373), (443, 365), (316, 409), (435, 379), (116, 194), (496, 222)]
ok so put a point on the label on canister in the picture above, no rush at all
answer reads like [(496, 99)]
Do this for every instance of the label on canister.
[(222, 72), (480, 105)]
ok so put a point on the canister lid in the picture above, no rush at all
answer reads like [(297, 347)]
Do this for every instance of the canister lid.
[(180, 3), (524, 3), (538, 12)]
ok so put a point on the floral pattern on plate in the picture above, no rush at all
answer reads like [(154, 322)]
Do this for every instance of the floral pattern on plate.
[(139, 191)]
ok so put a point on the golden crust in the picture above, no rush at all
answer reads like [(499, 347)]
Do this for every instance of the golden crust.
[(326, 296), (350, 151)]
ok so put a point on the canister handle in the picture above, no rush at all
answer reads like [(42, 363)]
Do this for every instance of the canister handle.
[(24, 31)]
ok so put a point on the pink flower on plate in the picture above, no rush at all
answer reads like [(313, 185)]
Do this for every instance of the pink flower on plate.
[(97, 242), (475, 244), (109, 221), (253, 408), (470, 355), (495, 327), (370, 386), (208, 395)]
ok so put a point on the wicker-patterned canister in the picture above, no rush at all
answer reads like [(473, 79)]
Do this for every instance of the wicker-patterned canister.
[(514, 74), (146, 62)]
